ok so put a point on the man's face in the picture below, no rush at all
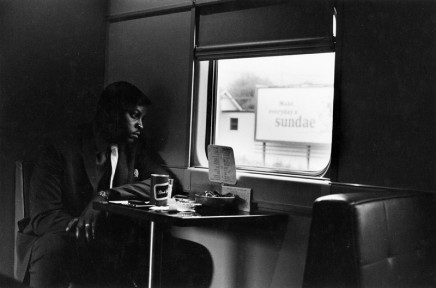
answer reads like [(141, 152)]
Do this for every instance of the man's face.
[(133, 125)]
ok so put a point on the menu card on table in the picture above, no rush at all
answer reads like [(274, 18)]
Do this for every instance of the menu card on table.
[(222, 167)]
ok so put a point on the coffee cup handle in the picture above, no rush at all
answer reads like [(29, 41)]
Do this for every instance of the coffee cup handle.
[(170, 187)]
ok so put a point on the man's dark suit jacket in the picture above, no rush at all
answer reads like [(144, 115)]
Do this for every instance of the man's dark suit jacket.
[(64, 180)]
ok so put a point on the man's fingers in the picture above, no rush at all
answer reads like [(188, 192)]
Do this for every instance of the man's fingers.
[(94, 222), (88, 231), (77, 232), (71, 224), (86, 227), (79, 228), (93, 229)]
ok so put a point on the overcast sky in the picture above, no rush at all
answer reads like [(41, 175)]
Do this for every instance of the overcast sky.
[(281, 70)]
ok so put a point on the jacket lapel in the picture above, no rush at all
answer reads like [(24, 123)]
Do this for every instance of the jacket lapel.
[(131, 157), (89, 157), (126, 161), (125, 166)]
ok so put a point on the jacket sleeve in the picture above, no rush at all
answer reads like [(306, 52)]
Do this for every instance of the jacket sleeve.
[(147, 163), (139, 190), (46, 206)]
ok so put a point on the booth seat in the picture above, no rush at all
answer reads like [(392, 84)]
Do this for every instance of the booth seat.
[(23, 172), (372, 239)]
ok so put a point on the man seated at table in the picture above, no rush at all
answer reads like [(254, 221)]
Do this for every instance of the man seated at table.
[(65, 240)]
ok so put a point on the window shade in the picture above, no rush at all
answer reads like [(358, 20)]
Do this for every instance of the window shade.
[(255, 26)]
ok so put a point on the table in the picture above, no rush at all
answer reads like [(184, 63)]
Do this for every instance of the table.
[(205, 218)]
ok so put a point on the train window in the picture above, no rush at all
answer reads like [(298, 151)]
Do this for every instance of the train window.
[(276, 111), (265, 86)]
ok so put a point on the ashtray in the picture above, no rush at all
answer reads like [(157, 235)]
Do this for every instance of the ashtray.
[(216, 203)]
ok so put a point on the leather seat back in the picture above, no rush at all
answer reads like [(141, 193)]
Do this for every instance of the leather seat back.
[(380, 239)]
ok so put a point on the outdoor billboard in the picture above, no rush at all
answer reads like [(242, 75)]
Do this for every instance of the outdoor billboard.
[(295, 114)]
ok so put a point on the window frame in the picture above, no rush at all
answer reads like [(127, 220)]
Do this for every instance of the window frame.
[(210, 127), (211, 54)]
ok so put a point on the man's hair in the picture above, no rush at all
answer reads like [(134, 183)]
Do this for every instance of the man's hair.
[(121, 96), (116, 99)]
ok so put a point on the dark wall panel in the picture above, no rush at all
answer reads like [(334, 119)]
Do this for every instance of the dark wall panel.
[(51, 73), (155, 53), (233, 23), (387, 93), (129, 6)]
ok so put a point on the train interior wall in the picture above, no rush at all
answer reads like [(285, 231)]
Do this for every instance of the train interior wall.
[(52, 56), (55, 62)]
